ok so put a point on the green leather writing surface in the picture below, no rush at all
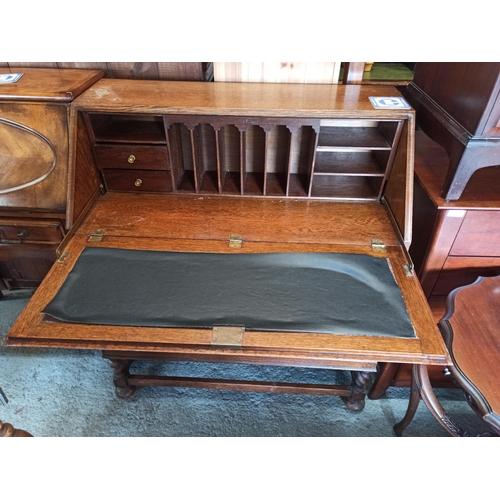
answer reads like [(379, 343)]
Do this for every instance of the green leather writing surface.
[(328, 293)]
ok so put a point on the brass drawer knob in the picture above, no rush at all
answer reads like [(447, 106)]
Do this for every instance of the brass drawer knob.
[(131, 159), (138, 182)]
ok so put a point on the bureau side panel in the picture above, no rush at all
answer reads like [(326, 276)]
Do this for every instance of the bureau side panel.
[(84, 179)]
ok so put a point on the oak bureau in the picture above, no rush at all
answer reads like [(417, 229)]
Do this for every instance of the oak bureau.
[(240, 223)]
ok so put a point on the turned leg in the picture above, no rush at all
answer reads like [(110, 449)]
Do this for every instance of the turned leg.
[(120, 378), (412, 406), (383, 380), (359, 389)]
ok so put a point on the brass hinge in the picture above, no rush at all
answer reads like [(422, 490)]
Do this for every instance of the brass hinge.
[(408, 269), (96, 236), (235, 241), (409, 266), (62, 257), (228, 335), (378, 246)]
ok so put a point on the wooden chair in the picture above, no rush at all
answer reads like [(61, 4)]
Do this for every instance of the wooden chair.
[(470, 329)]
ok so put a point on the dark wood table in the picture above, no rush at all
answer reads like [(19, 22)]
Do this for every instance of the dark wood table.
[(470, 331)]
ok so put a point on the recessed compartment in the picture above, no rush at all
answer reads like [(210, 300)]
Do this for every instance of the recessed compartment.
[(343, 159), (353, 158), (344, 187), (127, 128), (356, 134), (254, 157), (351, 163)]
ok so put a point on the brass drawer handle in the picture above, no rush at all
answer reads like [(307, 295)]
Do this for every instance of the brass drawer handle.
[(131, 159), (23, 233), (138, 182)]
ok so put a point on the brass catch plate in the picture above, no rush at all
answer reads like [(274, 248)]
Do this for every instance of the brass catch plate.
[(378, 246), (235, 241), (228, 335), (96, 236)]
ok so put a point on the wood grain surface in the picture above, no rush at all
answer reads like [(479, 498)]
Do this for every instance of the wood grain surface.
[(161, 232), (238, 99)]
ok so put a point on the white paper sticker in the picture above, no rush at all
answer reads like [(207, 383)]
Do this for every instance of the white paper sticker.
[(10, 77), (389, 103), (456, 213)]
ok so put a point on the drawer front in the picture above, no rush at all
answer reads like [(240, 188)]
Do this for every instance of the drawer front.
[(152, 181), (479, 235), (131, 156), (25, 232)]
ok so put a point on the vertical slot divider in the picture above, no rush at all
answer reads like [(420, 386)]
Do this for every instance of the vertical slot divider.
[(312, 157), (242, 129), (198, 170), (174, 145), (293, 130), (267, 129), (220, 173)]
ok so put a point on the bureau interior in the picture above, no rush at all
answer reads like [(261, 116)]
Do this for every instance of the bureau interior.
[(343, 159)]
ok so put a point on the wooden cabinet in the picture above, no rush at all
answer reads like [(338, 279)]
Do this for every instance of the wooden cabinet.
[(453, 242), (27, 249), (36, 195), (251, 171), (458, 106)]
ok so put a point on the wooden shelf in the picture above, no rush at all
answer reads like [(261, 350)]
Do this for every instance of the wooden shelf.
[(345, 187), (209, 183), (333, 138), (276, 184), (186, 184), (231, 183), (297, 185), (125, 129), (349, 163), (254, 183)]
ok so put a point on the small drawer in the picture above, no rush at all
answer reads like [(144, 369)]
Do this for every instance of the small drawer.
[(478, 235), (25, 231), (152, 181), (131, 156)]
